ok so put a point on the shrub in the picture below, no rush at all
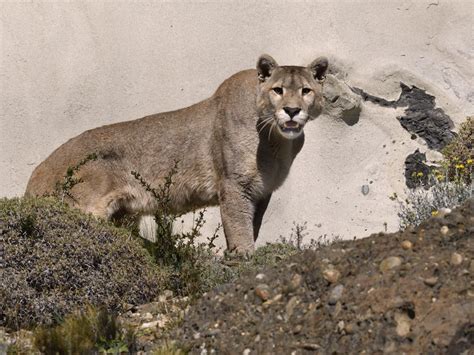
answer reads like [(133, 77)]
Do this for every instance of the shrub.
[(88, 332), (57, 259), (193, 265), (450, 185), (421, 204), (458, 162)]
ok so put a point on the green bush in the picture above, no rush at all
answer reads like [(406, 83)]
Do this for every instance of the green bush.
[(57, 259), (458, 162), (194, 267), (450, 185), (88, 332)]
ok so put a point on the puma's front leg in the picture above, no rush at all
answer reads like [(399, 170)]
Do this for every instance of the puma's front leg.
[(237, 212)]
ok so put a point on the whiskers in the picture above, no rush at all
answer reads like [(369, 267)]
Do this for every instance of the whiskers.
[(270, 130), (268, 120)]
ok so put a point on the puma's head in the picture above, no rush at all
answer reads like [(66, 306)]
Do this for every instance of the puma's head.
[(289, 96)]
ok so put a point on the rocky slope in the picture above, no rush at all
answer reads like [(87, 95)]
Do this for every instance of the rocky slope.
[(407, 292)]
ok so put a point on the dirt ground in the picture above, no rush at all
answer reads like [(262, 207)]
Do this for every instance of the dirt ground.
[(408, 292)]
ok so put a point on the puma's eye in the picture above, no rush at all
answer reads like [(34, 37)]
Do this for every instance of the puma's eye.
[(278, 90), (306, 91)]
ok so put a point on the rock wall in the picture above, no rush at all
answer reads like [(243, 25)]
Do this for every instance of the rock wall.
[(402, 81)]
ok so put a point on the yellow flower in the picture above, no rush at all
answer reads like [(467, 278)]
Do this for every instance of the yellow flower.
[(434, 213), (440, 177), (419, 174), (459, 166), (469, 161)]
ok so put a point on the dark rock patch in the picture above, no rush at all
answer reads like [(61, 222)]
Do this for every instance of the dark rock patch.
[(417, 172), (421, 117)]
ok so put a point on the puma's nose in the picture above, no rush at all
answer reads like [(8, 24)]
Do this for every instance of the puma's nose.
[(291, 111)]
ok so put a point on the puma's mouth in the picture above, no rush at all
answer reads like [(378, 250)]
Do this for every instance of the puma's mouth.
[(290, 129), (291, 126)]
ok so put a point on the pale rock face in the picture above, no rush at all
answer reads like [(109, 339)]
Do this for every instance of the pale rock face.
[(341, 102)]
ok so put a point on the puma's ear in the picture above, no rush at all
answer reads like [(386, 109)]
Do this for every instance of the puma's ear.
[(265, 66), (318, 67)]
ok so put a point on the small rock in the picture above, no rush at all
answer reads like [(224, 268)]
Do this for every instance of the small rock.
[(168, 293), (260, 277), (148, 316), (336, 294), (407, 245), (365, 190), (295, 282), (149, 325), (290, 306), (331, 275), (263, 291), (431, 281), (456, 259), (349, 328), (337, 309), (445, 211), (297, 329), (213, 332), (340, 326), (246, 352), (444, 230), (390, 263), (403, 324), (273, 300)]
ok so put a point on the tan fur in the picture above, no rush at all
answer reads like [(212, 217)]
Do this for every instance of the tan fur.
[(232, 150)]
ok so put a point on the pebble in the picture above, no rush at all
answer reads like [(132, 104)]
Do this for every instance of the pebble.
[(431, 281), (290, 306), (331, 275), (407, 245), (246, 352), (295, 282), (340, 326), (297, 329), (365, 190), (456, 259), (260, 277), (148, 316), (336, 294), (444, 230), (349, 328), (263, 291), (149, 325), (444, 211), (390, 263), (403, 324)]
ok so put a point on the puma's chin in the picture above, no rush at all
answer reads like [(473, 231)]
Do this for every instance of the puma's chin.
[(290, 129)]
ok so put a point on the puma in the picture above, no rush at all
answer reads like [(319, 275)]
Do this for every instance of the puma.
[(233, 149)]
